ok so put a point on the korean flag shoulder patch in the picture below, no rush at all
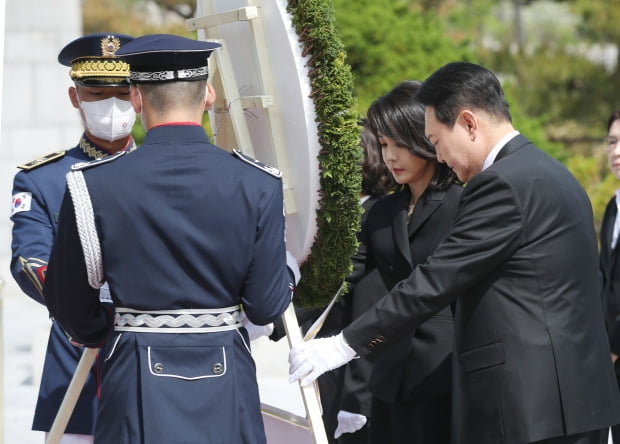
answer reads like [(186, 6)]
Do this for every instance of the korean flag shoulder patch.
[(21, 202)]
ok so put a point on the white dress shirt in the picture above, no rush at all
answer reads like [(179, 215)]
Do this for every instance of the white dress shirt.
[(614, 237), (498, 146)]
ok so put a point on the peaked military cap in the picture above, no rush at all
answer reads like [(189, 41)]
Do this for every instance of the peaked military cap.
[(166, 57), (93, 60)]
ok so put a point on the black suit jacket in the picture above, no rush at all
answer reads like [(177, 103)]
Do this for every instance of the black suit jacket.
[(610, 276), (531, 358), (418, 365)]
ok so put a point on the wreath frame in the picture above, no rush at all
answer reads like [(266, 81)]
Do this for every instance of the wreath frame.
[(338, 214)]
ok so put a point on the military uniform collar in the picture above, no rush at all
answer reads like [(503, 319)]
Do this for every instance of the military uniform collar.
[(95, 152)]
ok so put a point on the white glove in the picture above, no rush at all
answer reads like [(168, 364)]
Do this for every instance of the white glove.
[(310, 359), (349, 423), (256, 331), (291, 263)]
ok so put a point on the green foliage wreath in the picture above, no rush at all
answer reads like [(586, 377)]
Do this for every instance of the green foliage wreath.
[(339, 210)]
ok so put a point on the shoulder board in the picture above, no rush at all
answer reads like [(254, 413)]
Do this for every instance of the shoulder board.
[(42, 160), (258, 164), (93, 163)]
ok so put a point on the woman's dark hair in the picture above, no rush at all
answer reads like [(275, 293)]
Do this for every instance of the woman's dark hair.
[(614, 116), (399, 116), (376, 178)]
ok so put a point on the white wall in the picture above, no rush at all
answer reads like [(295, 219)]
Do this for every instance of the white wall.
[(37, 117)]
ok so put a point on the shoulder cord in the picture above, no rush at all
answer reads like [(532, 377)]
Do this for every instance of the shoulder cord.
[(85, 219)]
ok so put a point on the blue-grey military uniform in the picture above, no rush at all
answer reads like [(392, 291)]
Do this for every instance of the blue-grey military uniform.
[(189, 238), (182, 225), (37, 195)]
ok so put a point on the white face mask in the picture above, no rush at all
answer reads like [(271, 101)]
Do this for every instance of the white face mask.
[(110, 119)]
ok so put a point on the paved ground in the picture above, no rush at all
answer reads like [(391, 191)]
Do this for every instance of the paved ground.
[(25, 332)]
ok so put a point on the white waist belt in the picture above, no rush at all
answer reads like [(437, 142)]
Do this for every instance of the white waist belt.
[(178, 321)]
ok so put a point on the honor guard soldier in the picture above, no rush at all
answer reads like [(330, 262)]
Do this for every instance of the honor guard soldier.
[(101, 94), (190, 239)]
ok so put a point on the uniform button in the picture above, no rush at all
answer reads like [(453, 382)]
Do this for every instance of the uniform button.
[(158, 367), (217, 368)]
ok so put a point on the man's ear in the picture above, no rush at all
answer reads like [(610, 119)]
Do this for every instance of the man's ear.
[(469, 120), (73, 96), (135, 99), (210, 97)]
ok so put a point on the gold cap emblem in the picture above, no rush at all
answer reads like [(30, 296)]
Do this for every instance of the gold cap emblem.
[(109, 46)]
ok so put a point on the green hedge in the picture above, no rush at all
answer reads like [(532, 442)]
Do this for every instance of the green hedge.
[(339, 211)]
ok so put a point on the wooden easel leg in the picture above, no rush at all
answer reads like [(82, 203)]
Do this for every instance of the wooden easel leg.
[(73, 393), (309, 393)]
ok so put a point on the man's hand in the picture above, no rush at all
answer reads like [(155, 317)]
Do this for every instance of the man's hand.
[(292, 264), (349, 423), (256, 331), (309, 360)]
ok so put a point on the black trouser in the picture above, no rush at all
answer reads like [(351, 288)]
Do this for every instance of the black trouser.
[(415, 422), (615, 434), (615, 430), (594, 437)]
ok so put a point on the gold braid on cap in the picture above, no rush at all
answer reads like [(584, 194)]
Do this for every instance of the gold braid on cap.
[(105, 66), (99, 68)]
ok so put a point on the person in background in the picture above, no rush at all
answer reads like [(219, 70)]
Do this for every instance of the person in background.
[(608, 260), (411, 382), (190, 239), (100, 93), (520, 265)]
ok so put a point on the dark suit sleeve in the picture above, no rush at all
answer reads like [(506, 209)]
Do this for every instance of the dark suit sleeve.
[(70, 299), (486, 233)]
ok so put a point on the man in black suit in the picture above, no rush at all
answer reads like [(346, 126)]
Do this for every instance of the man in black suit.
[(531, 359), (609, 264)]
